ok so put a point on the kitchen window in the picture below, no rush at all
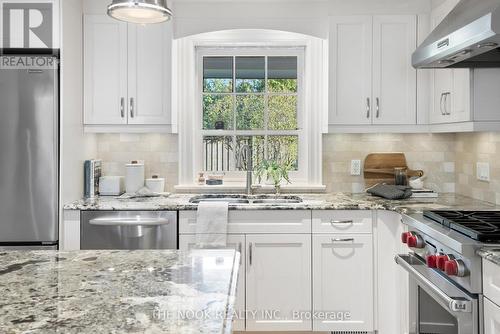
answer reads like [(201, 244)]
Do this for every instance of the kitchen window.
[(251, 96), (234, 87)]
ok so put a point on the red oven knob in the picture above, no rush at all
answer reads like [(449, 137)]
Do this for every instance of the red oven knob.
[(431, 261), (451, 268), (415, 241), (441, 260), (405, 236), (455, 268)]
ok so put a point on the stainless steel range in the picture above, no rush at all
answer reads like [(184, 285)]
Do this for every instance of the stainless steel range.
[(445, 272)]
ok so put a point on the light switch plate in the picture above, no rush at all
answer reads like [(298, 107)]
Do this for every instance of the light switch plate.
[(355, 167), (483, 171)]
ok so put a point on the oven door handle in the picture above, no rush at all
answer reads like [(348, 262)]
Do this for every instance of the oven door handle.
[(454, 304), (128, 222)]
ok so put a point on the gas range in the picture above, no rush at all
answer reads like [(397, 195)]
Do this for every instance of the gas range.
[(444, 269), (483, 226), (447, 241)]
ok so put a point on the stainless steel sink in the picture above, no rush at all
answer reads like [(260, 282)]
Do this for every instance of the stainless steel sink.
[(244, 199), (277, 201), (236, 199)]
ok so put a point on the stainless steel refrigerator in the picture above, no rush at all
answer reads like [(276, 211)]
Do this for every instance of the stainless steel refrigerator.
[(29, 158)]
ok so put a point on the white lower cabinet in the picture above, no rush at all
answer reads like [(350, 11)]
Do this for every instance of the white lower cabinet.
[(188, 241), (278, 281), (491, 317), (343, 282)]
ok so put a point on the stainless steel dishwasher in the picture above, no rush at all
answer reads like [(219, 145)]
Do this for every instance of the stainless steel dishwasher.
[(128, 230)]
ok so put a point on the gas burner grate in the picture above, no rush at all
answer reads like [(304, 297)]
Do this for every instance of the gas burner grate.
[(479, 225)]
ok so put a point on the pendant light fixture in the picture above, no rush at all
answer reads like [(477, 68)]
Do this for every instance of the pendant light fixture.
[(140, 11)]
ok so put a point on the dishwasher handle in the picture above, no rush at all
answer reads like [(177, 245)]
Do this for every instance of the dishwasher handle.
[(106, 221)]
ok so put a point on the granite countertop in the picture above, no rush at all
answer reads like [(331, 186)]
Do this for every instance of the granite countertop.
[(158, 291), (327, 201)]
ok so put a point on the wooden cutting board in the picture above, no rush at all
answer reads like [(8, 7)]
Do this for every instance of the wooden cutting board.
[(379, 167)]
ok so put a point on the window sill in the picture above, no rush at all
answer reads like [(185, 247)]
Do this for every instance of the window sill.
[(238, 187)]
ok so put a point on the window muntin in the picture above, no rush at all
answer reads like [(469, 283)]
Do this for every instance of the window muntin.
[(260, 103)]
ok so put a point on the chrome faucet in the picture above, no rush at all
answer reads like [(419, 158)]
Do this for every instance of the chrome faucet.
[(246, 152)]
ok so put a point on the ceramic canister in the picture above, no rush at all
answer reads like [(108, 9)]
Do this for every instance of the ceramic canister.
[(156, 184), (134, 176)]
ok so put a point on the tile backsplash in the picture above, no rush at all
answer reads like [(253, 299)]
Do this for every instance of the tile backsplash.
[(448, 160), (159, 152), (432, 153), (472, 148)]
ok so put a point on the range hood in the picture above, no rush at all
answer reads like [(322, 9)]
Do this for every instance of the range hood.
[(468, 37)]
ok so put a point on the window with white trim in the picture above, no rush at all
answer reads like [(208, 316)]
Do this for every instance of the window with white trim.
[(251, 95)]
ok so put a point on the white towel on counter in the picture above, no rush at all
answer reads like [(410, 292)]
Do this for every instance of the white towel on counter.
[(211, 225)]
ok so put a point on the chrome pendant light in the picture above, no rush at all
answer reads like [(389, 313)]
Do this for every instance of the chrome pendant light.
[(140, 11)]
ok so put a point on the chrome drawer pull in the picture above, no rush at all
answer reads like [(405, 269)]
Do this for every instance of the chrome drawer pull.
[(342, 240), (333, 221)]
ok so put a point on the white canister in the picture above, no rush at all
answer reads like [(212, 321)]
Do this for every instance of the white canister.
[(156, 184), (134, 176)]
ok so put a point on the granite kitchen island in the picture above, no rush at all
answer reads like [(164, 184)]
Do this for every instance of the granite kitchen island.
[(146, 291)]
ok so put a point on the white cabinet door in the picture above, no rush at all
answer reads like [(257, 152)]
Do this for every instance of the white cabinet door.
[(451, 88), (188, 241), (491, 317), (149, 73), (461, 96), (392, 280), (105, 70), (394, 79), (343, 282), (350, 61), (278, 279)]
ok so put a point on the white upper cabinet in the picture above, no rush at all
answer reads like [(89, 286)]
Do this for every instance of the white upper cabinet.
[(371, 77), (451, 88), (394, 78), (149, 73), (127, 72), (351, 40), (105, 70)]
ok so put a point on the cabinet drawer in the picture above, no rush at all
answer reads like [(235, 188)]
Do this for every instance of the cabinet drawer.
[(255, 221), (342, 221), (491, 317), (491, 281)]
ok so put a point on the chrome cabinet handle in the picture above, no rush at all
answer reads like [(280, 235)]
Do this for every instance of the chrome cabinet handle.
[(368, 107), (239, 250), (333, 221), (378, 107), (250, 255), (132, 107), (122, 107), (342, 239), (441, 104), (446, 112)]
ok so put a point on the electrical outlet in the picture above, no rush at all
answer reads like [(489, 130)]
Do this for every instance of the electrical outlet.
[(483, 171), (355, 167)]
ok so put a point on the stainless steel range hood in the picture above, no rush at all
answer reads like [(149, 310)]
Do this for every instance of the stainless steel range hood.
[(468, 37)]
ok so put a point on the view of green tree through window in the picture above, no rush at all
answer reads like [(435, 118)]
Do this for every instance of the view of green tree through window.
[(250, 100)]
